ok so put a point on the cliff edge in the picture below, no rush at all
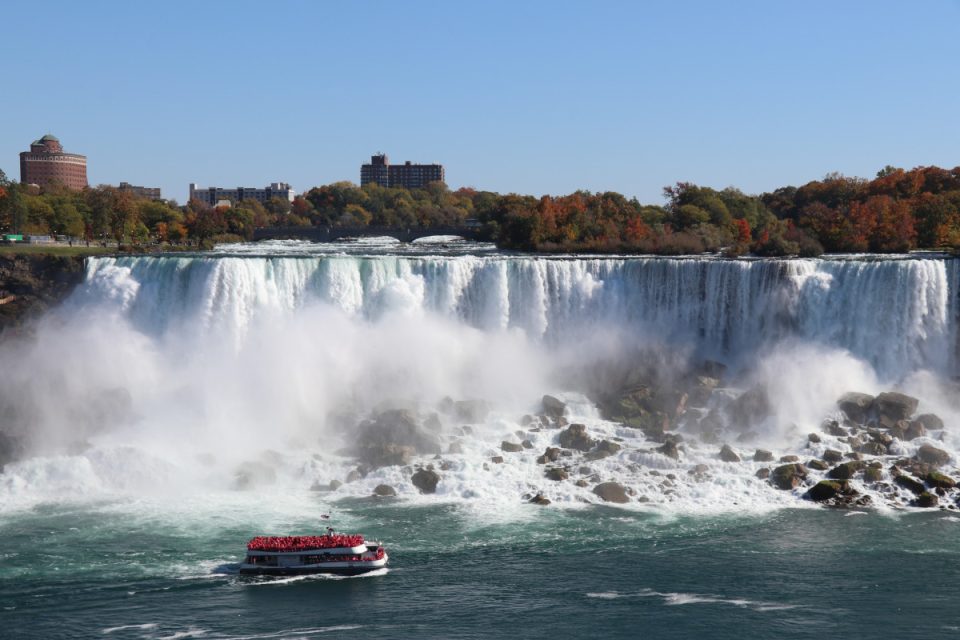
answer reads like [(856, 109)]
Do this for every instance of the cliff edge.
[(31, 284)]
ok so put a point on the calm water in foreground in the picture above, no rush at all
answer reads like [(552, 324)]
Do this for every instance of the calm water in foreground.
[(98, 571)]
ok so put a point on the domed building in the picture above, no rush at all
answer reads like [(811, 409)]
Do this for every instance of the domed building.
[(47, 164)]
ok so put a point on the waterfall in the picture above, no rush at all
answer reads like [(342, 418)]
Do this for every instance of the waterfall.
[(899, 315)]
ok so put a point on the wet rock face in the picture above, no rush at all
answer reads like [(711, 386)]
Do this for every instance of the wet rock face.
[(832, 455), (611, 492), (727, 454), (552, 454), (604, 449), (751, 407), (788, 476), (384, 491), (926, 500), (846, 470), (856, 406), (931, 455), (827, 489), (910, 484), (553, 407), (510, 447), (575, 437), (557, 474), (940, 481), (893, 406), (929, 421), (32, 284), (669, 449), (426, 480), (393, 438)]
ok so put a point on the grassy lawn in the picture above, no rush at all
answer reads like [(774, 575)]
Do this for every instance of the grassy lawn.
[(53, 250)]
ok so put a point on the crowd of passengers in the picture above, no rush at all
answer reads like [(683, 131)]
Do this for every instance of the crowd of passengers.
[(300, 543)]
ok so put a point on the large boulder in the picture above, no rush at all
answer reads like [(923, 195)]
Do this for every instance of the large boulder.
[(426, 480), (832, 455), (384, 491), (926, 500), (611, 492), (827, 489), (893, 406), (511, 447), (575, 437), (552, 454), (392, 438), (846, 470), (727, 454), (872, 474), (749, 408), (910, 484), (669, 449), (872, 448), (377, 454), (553, 407), (556, 474), (540, 499), (930, 421), (931, 455), (788, 476), (833, 428), (856, 406), (700, 389), (940, 481), (604, 448), (762, 455)]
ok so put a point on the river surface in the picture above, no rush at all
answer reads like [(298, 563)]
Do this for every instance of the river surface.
[(101, 571), (176, 406)]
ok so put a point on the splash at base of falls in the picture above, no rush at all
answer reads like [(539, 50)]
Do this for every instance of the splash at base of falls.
[(265, 372)]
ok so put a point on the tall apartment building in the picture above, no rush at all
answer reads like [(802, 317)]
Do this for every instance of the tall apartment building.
[(151, 193), (47, 164), (407, 175), (213, 195)]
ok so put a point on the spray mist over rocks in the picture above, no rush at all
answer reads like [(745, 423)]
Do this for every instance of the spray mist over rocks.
[(451, 372)]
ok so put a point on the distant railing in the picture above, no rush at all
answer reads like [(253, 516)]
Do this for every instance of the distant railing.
[(331, 234)]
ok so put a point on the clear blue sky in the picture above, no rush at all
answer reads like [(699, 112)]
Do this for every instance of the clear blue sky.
[(528, 97)]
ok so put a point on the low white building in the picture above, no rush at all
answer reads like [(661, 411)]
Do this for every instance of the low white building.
[(212, 195)]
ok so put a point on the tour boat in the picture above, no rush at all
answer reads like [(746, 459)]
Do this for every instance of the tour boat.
[(342, 554)]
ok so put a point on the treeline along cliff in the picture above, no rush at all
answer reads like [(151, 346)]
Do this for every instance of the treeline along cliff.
[(897, 211)]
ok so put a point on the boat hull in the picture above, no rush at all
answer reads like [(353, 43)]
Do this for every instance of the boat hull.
[(350, 570)]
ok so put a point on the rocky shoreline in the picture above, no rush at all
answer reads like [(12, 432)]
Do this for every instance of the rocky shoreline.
[(874, 451)]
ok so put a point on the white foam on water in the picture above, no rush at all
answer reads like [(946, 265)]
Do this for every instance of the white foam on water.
[(192, 632), (680, 598), (143, 627), (293, 633)]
